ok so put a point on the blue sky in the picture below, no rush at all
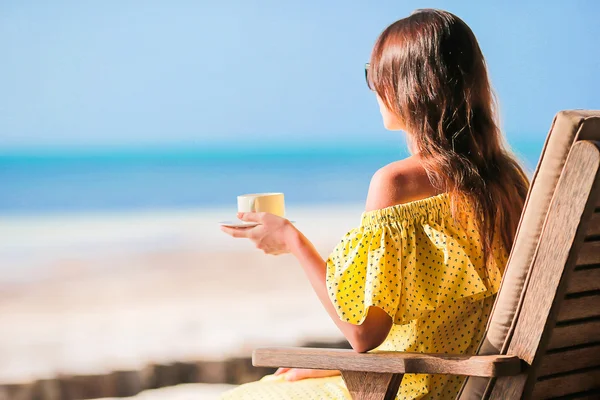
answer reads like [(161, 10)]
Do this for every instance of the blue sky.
[(234, 72)]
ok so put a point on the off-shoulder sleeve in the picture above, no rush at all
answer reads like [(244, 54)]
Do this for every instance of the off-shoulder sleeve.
[(408, 261)]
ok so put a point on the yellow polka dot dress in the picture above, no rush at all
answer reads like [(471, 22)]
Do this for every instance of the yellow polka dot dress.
[(422, 267)]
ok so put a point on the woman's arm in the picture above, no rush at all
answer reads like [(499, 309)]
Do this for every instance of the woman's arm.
[(396, 183), (376, 326), (276, 235)]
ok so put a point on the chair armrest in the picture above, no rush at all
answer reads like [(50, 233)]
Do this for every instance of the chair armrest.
[(387, 362)]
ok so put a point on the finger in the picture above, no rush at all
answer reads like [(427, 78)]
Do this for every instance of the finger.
[(281, 371), (236, 232), (251, 216), (297, 374)]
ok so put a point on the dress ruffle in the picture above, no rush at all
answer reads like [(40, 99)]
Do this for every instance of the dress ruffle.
[(410, 260)]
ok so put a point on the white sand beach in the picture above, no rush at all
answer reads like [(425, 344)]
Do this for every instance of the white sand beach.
[(94, 293)]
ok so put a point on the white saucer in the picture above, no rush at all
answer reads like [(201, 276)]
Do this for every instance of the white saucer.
[(240, 224)]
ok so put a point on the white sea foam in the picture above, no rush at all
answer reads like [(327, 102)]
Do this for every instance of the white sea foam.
[(31, 243)]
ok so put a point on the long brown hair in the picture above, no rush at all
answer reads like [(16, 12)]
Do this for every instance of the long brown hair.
[(430, 72)]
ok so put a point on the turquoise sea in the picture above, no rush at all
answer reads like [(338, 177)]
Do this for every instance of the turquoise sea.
[(36, 181)]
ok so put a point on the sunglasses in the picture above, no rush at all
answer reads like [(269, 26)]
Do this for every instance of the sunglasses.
[(367, 67)]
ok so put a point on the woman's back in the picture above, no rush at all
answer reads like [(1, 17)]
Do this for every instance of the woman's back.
[(399, 182)]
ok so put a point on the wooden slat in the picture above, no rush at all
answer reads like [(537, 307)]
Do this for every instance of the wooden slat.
[(371, 385), (558, 248), (387, 362), (594, 227), (569, 360), (584, 280), (589, 254), (575, 334), (17, 391), (560, 244), (46, 389), (580, 307), (563, 385), (593, 394), (87, 386), (587, 395)]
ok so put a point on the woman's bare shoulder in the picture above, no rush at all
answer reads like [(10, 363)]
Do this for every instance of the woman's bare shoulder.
[(399, 182)]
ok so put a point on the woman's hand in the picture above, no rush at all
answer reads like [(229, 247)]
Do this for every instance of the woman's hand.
[(296, 374), (274, 235)]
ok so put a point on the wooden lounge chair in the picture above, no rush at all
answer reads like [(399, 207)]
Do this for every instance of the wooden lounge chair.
[(543, 337)]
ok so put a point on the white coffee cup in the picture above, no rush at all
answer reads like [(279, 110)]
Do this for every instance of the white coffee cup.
[(262, 202)]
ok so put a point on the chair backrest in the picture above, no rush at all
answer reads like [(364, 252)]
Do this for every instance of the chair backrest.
[(509, 319), (556, 330)]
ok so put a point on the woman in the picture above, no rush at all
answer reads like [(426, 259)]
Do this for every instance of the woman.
[(420, 272)]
